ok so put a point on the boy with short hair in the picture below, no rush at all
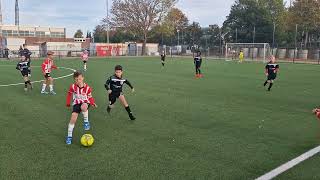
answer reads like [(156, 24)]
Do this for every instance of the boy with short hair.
[(25, 52), (82, 99), (163, 58), (23, 67), (241, 56), (47, 67), (271, 71), (197, 63), (114, 86)]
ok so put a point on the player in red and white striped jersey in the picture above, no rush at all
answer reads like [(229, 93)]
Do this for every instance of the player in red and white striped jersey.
[(85, 58), (81, 95), (47, 67), (317, 112)]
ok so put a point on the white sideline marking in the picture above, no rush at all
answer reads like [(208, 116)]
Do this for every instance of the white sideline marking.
[(17, 84), (290, 164)]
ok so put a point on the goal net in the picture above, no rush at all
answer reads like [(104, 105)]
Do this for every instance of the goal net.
[(251, 51)]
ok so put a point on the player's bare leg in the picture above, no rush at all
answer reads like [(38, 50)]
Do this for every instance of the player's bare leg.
[(44, 86), (85, 66), (50, 82), (126, 105), (73, 120), (85, 113)]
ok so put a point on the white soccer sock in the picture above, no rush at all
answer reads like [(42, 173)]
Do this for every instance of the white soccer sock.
[(85, 66), (43, 87), (70, 129), (85, 116), (51, 87)]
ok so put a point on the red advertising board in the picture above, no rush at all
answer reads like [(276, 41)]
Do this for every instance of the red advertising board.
[(108, 50)]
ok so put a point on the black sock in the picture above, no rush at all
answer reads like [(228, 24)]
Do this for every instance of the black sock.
[(26, 84), (270, 86), (162, 64), (265, 83), (128, 110), (199, 71)]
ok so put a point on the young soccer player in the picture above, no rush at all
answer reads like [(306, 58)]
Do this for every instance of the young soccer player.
[(197, 63), (317, 112), (271, 70), (114, 88), (241, 56), (85, 58), (47, 67), (163, 58), (82, 99), (25, 52), (23, 67)]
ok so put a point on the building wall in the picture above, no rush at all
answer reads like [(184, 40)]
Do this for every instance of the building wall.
[(29, 31)]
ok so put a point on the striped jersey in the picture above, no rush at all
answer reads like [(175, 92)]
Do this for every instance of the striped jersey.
[(197, 59), (272, 68), (84, 56), (80, 95), (47, 66), (115, 84), (23, 66)]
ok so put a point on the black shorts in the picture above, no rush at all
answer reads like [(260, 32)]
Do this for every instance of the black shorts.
[(47, 75), (198, 65), (85, 62), (25, 73), (272, 77), (77, 108), (113, 97)]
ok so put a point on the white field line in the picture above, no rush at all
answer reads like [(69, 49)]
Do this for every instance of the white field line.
[(290, 164), (17, 84)]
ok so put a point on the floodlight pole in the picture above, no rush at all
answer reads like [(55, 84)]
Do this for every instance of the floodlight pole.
[(236, 35), (254, 34), (273, 35), (295, 41), (108, 38), (178, 37)]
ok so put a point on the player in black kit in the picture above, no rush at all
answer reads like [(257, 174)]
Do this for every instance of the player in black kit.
[(114, 87), (25, 52), (271, 70), (163, 58), (197, 63), (23, 67)]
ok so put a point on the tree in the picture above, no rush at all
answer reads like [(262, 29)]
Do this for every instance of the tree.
[(78, 34), (305, 14), (88, 35), (139, 16), (261, 15), (193, 34), (175, 21), (99, 34)]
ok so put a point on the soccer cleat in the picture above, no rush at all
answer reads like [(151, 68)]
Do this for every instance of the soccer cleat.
[(86, 126), (200, 76), (69, 140), (25, 89), (53, 93), (108, 109), (132, 117), (44, 92)]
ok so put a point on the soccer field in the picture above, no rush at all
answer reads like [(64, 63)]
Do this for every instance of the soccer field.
[(223, 126)]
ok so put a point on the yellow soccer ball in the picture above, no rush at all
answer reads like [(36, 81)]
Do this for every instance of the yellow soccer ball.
[(87, 140)]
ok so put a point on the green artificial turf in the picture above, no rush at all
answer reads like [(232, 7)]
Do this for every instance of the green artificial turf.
[(223, 126)]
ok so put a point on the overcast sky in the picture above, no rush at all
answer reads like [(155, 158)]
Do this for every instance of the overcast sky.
[(86, 14)]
